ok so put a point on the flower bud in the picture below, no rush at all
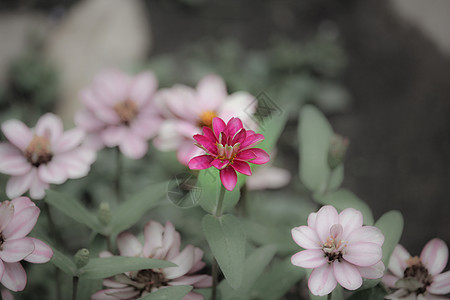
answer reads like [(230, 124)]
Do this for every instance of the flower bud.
[(81, 257), (104, 213), (337, 150)]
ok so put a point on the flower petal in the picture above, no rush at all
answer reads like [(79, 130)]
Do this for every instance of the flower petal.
[(37, 188), (42, 253), (12, 160), (350, 219), (262, 156), (306, 237), (49, 126), (16, 250), (312, 220), (327, 216), (252, 139), (17, 133), (86, 120), (347, 275), (211, 91), (6, 214), (309, 259), (21, 203), (184, 260), (133, 146), (229, 178), (397, 262), (363, 254), (153, 235), (52, 172), (389, 280), (128, 245), (14, 277), (372, 272), (219, 164), (143, 86), (200, 162), (18, 185), (322, 281), (68, 141), (242, 167), (441, 284), (268, 177), (191, 280), (22, 223), (435, 256), (233, 126), (366, 234), (206, 143), (218, 126), (77, 162), (6, 295)]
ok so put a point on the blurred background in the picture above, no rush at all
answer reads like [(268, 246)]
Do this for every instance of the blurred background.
[(379, 70)]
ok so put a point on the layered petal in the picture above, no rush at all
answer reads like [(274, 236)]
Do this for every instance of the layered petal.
[(68, 141), (322, 281), (327, 216), (143, 86), (347, 275), (350, 219), (200, 162), (242, 167), (49, 126), (366, 234), (309, 259), (42, 253), (18, 185), (306, 237), (184, 261), (397, 262), (372, 272), (6, 214), (153, 234), (12, 161), (16, 250), (22, 223), (229, 178), (17, 133), (128, 245), (14, 277), (363, 254), (435, 256), (440, 284)]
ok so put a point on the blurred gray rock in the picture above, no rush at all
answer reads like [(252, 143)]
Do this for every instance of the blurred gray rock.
[(96, 34)]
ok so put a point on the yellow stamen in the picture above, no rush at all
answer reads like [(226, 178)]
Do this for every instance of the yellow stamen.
[(206, 118)]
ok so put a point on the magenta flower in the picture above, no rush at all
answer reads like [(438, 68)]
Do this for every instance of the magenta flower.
[(419, 277), (339, 249), (17, 219), (46, 154), (119, 112), (229, 148), (160, 243), (187, 110)]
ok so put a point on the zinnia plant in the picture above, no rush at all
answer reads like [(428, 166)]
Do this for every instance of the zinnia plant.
[(119, 111), (17, 219), (35, 158), (161, 242), (420, 277), (186, 111), (229, 148), (339, 249)]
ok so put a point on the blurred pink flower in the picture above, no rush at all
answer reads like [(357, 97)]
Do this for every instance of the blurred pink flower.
[(419, 277), (46, 154), (161, 242), (7, 295), (339, 249), (229, 148), (119, 111), (187, 110), (17, 219), (268, 177)]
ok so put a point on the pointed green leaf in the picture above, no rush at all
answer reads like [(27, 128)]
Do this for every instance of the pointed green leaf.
[(109, 266), (209, 184), (132, 210), (226, 239), (314, 136), (254, 265), (342, 199), (169, 293), (72, 208), (63, 262)]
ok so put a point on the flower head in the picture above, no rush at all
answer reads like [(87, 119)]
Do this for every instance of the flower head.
[(419, 277), (339, 249), (186, 111), (17, 219), (161, 242), (45, 154), (119, 112), (229, 148)]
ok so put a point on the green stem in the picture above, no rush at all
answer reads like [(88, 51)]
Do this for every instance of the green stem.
[(215, 266), (74, 287), (220, 202), (119, 170)]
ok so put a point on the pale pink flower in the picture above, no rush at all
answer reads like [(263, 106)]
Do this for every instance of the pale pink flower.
[(45, 154), (7, 295), (17, 219), (339, 249), (119, 111), (161, 242), (187, 110), (229, 148), (419, 277)]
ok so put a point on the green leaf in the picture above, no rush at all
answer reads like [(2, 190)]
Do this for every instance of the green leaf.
[(132, 210), (72, 208), (63, 262), (169, 293), (342, 199), (254, 265), (227, 242), (274, 283), (209, 184), (109, 266), (314, 136)]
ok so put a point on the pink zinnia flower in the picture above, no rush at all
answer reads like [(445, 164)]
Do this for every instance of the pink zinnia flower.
[(419, 277), (17, 219), (46, 154), (119, 112), (339, 249), (187, 110), (160, 243), (229, 148)]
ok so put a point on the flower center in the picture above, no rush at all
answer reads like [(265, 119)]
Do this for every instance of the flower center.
[(416, 270), (38, 151), (206, 118), (148, 279), (227, 152), (126, 110), (334, 247), (2, 240)]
